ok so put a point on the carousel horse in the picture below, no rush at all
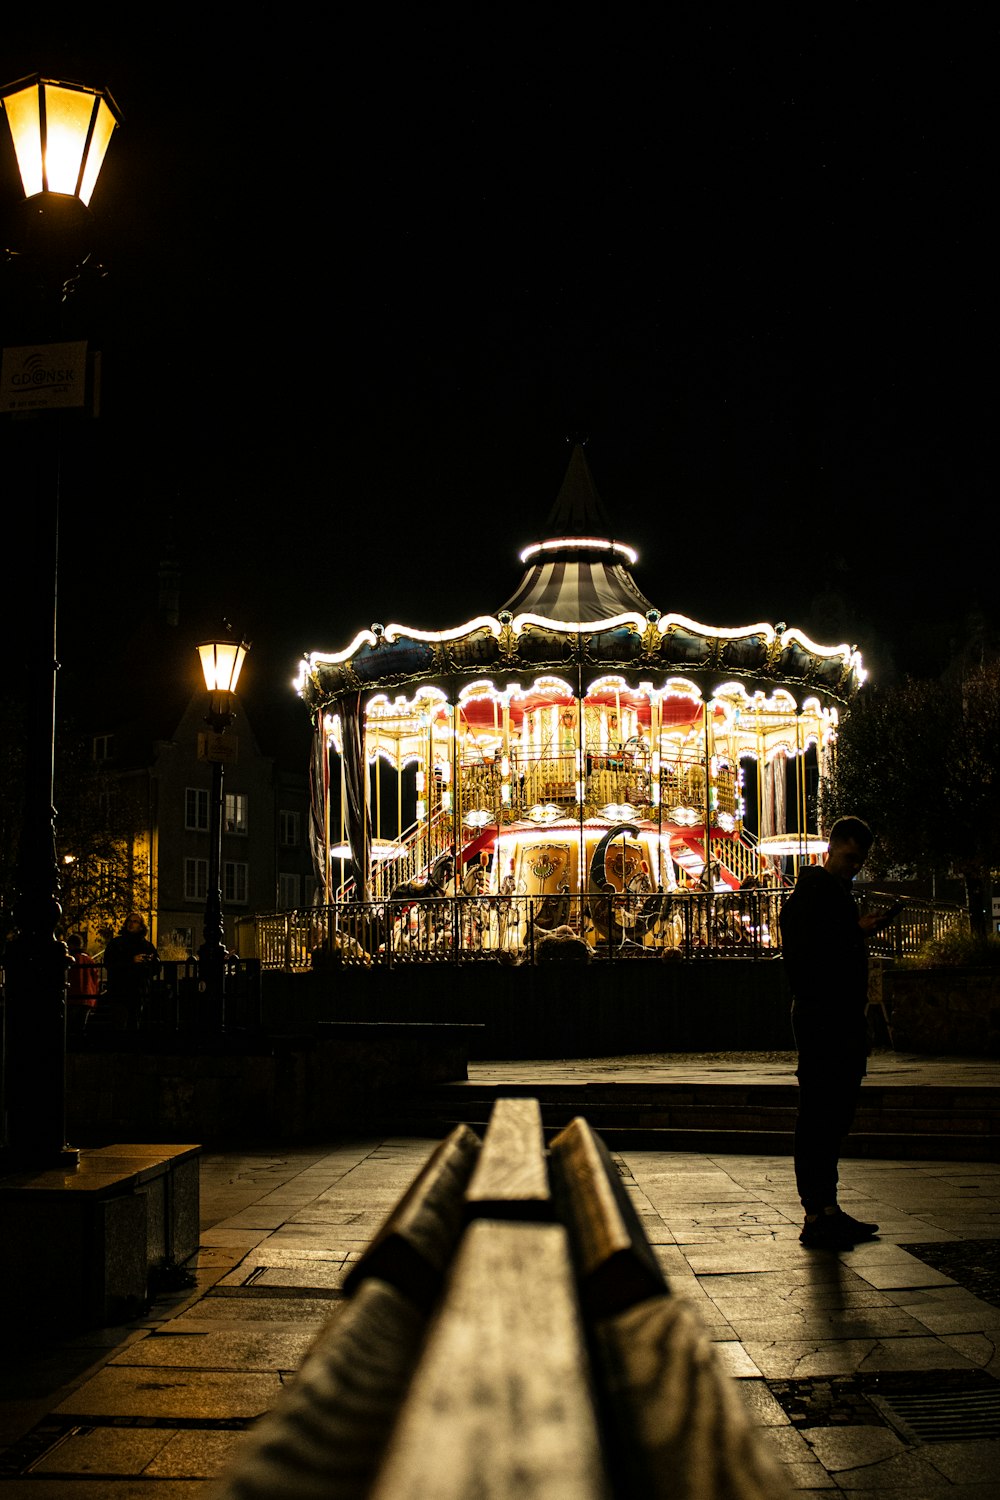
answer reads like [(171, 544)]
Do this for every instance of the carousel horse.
[(626, 901), (475, 912), (426, 895)]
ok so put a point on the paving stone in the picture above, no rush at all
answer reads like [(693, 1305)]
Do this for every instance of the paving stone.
[(788, 1445), (977, 1348), (172, 1394), (907, 1472), (194, 1455), (848, 1447), (276, 1346), (735, 1360), (263, 1309), (896, 1274), (313, 1273), (127, 1487), (795, 1358), (254, 1218), (961, 1462), (857, 1323), (965, 1316), (104, 1450), (764, 1409)]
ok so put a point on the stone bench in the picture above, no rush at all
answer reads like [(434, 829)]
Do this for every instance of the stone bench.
[(85, 1247), (509, 1331)]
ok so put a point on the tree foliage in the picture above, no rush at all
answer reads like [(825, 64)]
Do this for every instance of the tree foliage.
[(920, 762), (100, 834)]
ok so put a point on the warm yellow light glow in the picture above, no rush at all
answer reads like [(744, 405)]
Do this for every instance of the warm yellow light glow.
[(544, 812), (580, 544), (619, 812), (60, 133), (221, 663), (720, 632), (588, 627), (792, 843), (394, 631)]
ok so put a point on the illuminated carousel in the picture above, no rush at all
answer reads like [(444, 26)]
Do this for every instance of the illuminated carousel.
[(578, 760)]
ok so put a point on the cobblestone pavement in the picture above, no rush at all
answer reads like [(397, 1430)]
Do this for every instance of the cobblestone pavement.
[(829, 1351)]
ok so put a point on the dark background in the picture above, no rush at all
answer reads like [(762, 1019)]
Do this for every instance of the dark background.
[(367, 279)]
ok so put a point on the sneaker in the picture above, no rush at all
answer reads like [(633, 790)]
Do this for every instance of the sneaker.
[(825, 1232), (853, 1227)]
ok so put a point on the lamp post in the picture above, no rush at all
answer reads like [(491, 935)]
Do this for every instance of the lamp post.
[(221, 663), (60, 133)]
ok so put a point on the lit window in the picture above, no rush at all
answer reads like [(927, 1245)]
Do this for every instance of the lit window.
[(236, 812), (235, 880), (196, 809), (288, 828), (195, 879)]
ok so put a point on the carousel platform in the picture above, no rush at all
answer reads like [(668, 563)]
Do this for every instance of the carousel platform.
[(912, 1107)]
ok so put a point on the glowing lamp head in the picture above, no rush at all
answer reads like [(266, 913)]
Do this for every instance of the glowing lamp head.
[(221, 663), (61, 133)]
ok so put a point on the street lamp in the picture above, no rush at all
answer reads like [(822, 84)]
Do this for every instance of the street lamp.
[(221, 663), (60, 134)]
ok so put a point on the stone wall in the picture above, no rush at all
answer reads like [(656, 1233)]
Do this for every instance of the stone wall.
[(944, 1011)]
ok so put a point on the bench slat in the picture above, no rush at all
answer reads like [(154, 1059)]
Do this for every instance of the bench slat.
[(415, 1244), (327, 1434), (511, 1179), (616, 1263), (499, 1404), (680, 1431)]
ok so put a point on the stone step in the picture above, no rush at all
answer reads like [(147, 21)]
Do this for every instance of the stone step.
[(938, 1123)]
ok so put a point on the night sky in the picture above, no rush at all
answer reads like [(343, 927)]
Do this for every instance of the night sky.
[(363, 294)]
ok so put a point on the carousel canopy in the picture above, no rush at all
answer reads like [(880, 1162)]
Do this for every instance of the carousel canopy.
[(576, 611), (578, 570)]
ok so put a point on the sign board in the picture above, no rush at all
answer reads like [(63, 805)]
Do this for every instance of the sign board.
[(222, 748), (43, 377)]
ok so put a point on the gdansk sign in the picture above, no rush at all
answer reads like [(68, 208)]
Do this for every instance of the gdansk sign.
[(41, 377)]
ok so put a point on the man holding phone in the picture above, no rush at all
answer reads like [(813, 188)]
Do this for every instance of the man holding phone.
[(824, 945)]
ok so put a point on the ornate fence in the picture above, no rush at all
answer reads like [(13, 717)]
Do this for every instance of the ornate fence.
[(514, 929)]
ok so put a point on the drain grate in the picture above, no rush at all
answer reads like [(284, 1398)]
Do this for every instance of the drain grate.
[(942, 1416), (922, 1406)]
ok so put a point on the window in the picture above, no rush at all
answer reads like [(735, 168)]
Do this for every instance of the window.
[(235, 879), (236, 812), (196, 808), (104, 747), (289, 887), (195, 879), (288, 828)]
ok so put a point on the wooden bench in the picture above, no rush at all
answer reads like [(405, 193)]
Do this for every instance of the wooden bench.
[(509, 1332)]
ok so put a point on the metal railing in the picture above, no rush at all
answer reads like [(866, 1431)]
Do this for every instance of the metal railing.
[(475, 929)]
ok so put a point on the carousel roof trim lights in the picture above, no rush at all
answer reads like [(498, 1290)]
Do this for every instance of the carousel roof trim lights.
[(395, 632), (578, 608), (580, 544)]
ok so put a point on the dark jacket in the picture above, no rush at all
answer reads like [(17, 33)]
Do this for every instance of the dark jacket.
[(826, 958)]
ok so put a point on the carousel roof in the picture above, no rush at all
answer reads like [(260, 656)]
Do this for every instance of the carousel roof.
[(578, 572), (578, 609)]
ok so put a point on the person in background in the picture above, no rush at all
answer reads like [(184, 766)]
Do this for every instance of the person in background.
[(131, 962), (83, 983)]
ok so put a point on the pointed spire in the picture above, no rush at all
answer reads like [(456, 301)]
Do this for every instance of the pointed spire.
[(578, 571), (578, 508)]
